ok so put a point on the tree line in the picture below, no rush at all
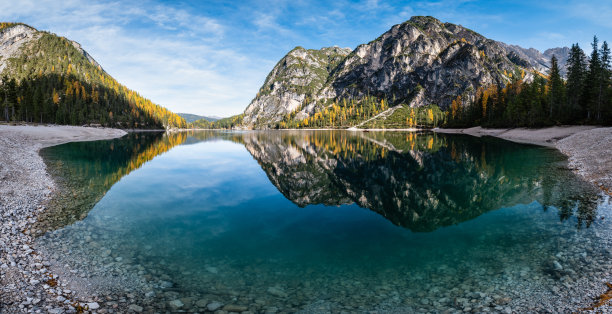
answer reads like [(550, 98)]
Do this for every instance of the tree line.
[(584, 97)]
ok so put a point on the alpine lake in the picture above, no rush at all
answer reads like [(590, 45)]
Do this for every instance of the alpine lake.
[(326, 222)]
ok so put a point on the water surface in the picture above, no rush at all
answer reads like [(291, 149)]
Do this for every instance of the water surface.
[(329, 221)]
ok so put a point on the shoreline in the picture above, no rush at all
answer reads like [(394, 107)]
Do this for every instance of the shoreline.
[(27, 283), (25, 272), (586, 147)]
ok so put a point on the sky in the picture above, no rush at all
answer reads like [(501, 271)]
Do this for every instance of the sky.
[(211, 57)]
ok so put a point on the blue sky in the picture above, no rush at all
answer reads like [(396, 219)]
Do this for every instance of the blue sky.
[(211, 57)]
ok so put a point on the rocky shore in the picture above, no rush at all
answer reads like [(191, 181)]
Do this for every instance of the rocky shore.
[(26, 283)]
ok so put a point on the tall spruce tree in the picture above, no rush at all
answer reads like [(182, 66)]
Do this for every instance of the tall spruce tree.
[(594, 84), (576, 75), (556, 90)]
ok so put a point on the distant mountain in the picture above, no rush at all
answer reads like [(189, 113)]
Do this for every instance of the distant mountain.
[(420, 62), (189, 118), (50, 79), (537, 60)]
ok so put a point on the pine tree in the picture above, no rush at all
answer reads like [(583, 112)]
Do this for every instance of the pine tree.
[(576, 74), (594, 84), (556, 89)]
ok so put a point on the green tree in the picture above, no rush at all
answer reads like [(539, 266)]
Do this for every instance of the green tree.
[(576, 75), (556, 89), (594, 84)]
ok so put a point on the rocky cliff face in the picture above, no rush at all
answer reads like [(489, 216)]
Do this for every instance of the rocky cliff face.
[(423, 56), (446, 60), (11, 39), (295, 80)]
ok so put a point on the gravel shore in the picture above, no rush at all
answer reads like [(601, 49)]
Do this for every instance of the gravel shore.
[(26, 284)]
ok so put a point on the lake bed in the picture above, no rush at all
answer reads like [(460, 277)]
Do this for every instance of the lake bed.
[(333, 221)]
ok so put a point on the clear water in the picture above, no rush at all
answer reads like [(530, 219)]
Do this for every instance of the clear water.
[(329, 221)]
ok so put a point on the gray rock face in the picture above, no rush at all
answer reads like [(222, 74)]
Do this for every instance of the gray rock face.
[(14, 37), (11, 39), (446, 60), (537, 60), (294, 81), (562, 54), (422, 55)]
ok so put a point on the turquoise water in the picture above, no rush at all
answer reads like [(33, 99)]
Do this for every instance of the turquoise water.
[(331, 221)]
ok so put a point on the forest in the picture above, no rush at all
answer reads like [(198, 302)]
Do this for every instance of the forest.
[(52, 81), (583, 97)]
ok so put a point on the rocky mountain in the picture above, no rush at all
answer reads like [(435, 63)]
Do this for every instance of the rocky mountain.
[(417, 63), (295, 80), (46, 78), (537, 60), (562, 54), (12, 37)]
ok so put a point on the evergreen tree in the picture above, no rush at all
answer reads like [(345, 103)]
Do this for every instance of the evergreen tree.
[(594, 84), (556, 89), (576, 74)]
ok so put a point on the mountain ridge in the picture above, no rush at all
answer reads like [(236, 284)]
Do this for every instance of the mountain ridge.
[(190, 117), (420, 62)]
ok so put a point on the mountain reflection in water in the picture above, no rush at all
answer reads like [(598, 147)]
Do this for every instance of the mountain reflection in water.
[(420, 181)]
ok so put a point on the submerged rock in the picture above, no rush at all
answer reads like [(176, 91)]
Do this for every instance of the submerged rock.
[(176, 304), (214, 306)]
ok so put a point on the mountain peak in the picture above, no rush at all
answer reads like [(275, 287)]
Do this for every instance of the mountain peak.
[(424, 20), (6, 25), (420, 62)]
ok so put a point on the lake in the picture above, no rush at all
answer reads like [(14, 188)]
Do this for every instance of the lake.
[(326, 221)]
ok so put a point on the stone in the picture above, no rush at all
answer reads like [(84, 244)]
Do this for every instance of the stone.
[(176, 304), (166, 284), (235, 308), (135, 308), (214, 306), (93, 305), (212, 270)]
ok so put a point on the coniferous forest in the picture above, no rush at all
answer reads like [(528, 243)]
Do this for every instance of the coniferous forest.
[(52, 81), (583, 97)]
